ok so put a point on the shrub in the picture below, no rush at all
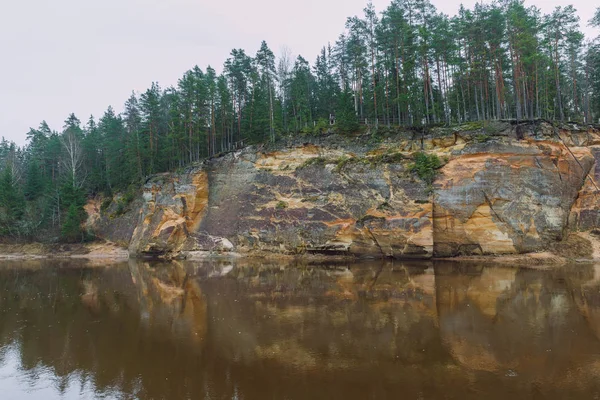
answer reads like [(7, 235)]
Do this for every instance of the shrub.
[(471, 126), (387, 158), (482, 138), (321, 127), (129, 196), (282, 205), (384, 206), (105, 204), (311, 199), (340, 163), (120, 209), (425, 166), (306, 130), (319, 161), (375, 139)]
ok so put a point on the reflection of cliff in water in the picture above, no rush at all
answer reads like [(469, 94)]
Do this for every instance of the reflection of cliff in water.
[(183, 330), (97, 322), (519, 323)]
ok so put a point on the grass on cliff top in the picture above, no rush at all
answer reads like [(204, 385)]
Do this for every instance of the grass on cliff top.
[(343, 161), (316, 161)]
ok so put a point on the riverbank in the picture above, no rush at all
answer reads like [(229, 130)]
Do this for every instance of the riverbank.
[(95, 250), (581, 247)]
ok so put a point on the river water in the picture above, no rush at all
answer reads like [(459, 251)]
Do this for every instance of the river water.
[(251, 330)]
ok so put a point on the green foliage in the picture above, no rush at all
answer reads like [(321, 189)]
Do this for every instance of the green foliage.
[(11, 199), (384, 206), (105, 204), (71, 195), (310, 199), (482, 138), (71, 229), (372, 161), (282, 205), (12, 203), (306, 130), (73, 201), (129, 195), (315, 161), (595, 20), (34, 185), (387, 158), (376, 138), (341, 162), (124, 201), (321, 127), (346, 119), (121, 208), (470, 126), (425, 166)]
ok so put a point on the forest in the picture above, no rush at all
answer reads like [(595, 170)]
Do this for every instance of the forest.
[(406, 66)]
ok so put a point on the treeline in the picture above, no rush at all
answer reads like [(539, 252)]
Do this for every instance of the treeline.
[(408, 65)]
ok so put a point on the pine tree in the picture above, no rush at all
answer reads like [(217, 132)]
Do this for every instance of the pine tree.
[(595, 20), (71, 229), (150, 125), (12, 203), (134, 146), (301, 95), (238, 69), (346, 119), (34, 186), (265, 60)]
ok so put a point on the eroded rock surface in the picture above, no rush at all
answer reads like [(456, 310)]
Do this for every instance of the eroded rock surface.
[(340, 196), (502, 198)]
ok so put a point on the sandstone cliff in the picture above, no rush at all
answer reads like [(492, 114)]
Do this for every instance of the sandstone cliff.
[(494, 194)]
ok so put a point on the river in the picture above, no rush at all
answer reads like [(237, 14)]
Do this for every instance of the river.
[(268, 330)]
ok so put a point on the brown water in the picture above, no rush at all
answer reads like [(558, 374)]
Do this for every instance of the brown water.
[(257, 331)]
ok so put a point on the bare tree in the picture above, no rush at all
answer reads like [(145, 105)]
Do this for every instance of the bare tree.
[(72, 161), (284, 67)]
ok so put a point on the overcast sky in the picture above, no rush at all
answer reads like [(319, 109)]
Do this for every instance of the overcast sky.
[(63, 56)]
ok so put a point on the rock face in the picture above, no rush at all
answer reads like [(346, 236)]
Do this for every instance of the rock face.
[(173, 207), (303, 199), (494, 195), (501, 198), (585, 214)]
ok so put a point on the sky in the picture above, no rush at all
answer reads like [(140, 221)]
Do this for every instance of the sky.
[(80, 56)]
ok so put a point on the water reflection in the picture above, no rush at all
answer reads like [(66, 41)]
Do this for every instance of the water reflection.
[(259, 330)]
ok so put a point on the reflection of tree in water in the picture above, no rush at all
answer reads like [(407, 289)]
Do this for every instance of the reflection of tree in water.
[(183, 330), (56, 322)]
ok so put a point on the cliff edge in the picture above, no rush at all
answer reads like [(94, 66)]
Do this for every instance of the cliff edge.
[(493, 192)]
